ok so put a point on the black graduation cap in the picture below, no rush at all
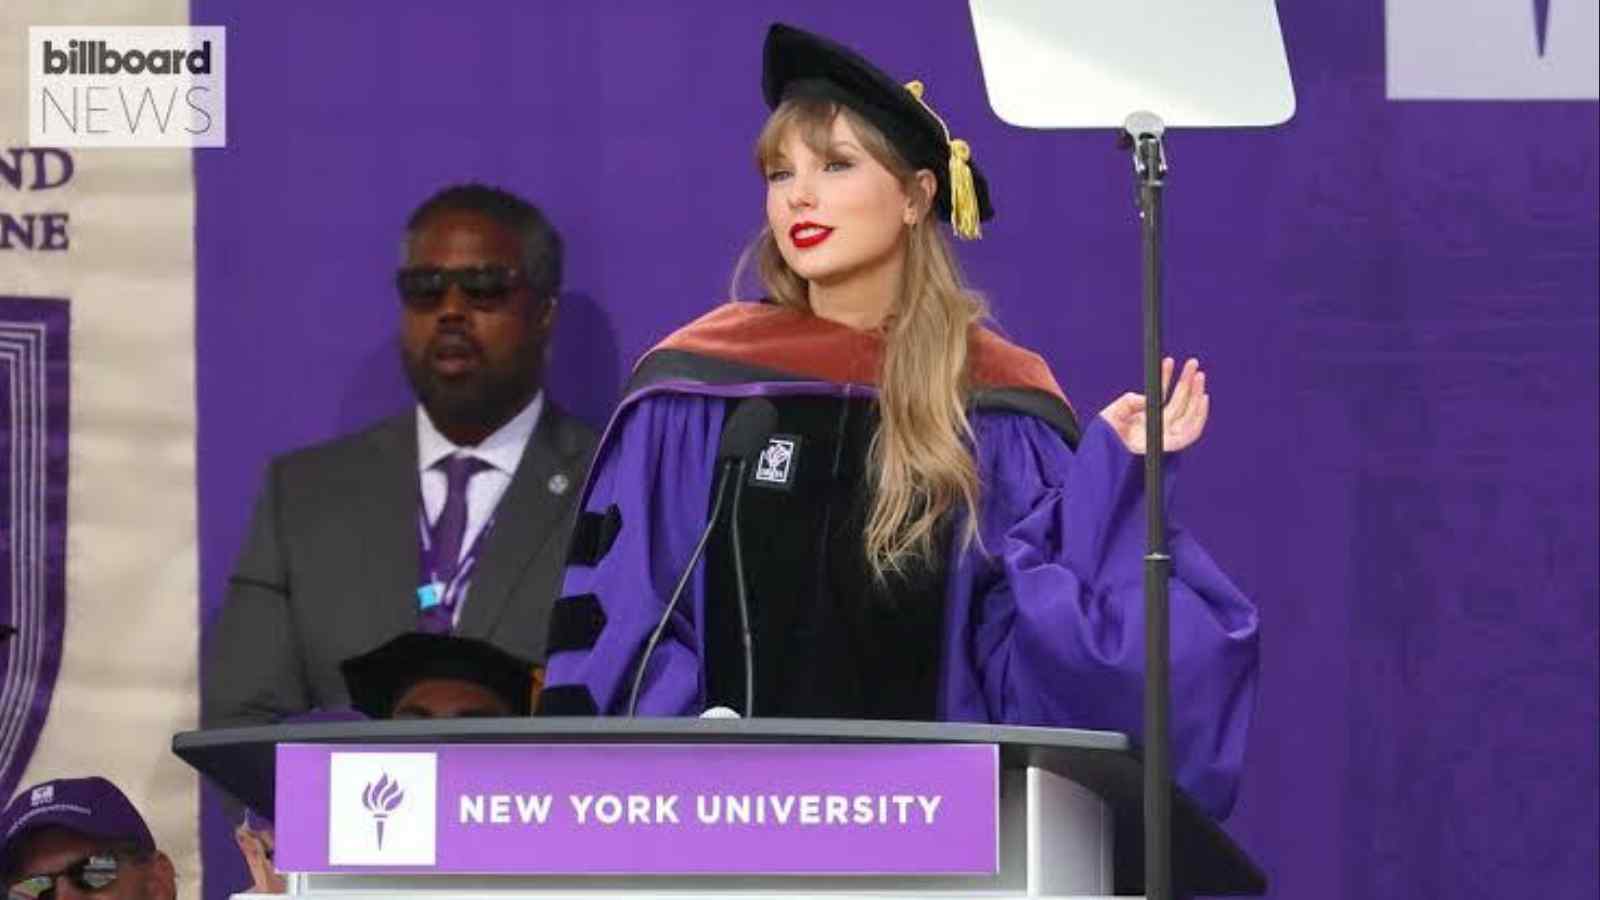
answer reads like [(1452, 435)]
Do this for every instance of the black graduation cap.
[(6, 631), (797, 63), (378, 678)]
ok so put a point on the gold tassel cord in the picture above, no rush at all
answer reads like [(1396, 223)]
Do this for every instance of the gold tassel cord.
[(963, 192)]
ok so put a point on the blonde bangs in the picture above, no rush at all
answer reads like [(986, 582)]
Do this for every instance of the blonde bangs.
[(811, 118)]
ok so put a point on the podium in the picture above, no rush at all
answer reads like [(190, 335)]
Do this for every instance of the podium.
[(1029, 812)]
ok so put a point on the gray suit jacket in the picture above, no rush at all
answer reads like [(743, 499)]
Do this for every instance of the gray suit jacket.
[(330, 569)]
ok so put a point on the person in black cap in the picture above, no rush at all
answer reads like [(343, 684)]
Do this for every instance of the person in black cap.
[(929, 532), (414, 676), (80, 837), (435, 676)]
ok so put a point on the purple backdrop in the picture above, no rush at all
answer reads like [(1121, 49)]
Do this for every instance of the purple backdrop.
[(1396, 303)]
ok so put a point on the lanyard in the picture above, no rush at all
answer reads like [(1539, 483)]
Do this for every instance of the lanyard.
[(445, 581)]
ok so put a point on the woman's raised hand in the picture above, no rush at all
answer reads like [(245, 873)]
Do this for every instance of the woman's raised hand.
[(1183, 418)]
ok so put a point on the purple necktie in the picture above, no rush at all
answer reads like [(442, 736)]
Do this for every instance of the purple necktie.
[(448, 531)]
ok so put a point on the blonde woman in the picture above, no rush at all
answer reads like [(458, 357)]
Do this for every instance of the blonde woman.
[(926, 534)]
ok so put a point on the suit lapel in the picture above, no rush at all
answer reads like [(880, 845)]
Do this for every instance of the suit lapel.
[(524, 521), (389, 540)]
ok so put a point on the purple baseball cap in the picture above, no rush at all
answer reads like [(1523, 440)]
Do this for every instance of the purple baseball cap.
[(92, 807)]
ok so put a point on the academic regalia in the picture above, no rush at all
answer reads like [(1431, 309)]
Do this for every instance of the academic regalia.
[(1040, 621)]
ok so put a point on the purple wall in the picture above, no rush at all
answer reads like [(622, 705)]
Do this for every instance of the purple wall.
[(1396, 303)]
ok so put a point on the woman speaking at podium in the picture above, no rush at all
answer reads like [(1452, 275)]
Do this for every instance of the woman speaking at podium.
[(894, 503)]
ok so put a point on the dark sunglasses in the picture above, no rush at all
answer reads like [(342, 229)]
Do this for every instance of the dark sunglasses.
[(422, 288), (90, 874)]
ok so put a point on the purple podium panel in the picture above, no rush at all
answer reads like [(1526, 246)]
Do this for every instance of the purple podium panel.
[(639, 809)]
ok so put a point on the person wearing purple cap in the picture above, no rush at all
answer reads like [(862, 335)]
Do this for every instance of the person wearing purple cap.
[(81, 837)]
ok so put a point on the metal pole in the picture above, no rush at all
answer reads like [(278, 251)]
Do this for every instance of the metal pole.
[(1150, 170)]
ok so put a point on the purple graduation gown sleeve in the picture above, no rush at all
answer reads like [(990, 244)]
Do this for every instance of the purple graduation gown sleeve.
[(1047, 617), (655, 466)]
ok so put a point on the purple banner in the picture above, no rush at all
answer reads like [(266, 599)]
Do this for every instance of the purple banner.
[(33, 519), (639, 809)]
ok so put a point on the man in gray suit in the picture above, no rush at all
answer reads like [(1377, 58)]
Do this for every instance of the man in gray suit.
[(452, 519)]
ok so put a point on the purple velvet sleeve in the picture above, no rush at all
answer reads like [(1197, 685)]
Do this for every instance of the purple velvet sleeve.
[(1048, 615), (655, 466)]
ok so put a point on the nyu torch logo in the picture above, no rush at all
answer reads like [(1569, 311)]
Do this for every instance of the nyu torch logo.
[(383, 808), (381, 798)]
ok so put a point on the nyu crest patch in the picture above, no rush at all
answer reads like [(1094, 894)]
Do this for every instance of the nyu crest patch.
[(777, 465), (33, 543)]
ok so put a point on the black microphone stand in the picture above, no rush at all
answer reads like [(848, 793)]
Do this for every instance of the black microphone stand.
[(743, 596), (725, 468), (1142, 132), (745, 429)]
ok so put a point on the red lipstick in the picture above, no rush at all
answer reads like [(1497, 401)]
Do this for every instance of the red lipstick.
[(814, 234)]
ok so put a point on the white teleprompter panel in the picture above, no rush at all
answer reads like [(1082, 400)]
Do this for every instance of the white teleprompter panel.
[(1089, 63)]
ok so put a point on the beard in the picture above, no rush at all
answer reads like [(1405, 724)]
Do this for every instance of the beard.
[(486, 397)]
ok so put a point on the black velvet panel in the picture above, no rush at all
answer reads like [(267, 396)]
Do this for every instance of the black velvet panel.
[(575, 623), (566, 700), (593, 534), (828, 640)]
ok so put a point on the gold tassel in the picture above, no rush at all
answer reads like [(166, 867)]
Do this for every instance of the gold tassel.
[(963, 193)]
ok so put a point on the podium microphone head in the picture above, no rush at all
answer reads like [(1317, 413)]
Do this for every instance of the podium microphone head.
[(748, 428)]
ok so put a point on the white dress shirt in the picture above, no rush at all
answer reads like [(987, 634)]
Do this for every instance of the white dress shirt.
[(502, 450)]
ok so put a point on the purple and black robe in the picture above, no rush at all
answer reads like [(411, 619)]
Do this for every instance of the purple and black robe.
[(1037, 622)]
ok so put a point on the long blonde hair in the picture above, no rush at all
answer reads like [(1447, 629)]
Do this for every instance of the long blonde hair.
[(921, 460)]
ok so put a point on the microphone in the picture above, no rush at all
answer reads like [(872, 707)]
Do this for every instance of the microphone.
[(762, 422), (746, 430)]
